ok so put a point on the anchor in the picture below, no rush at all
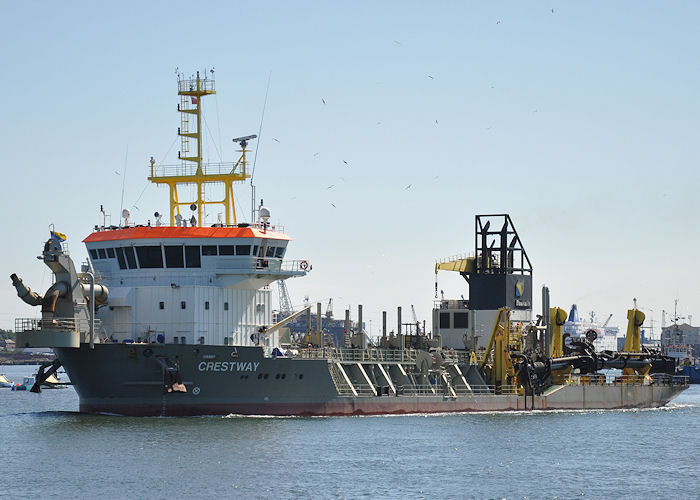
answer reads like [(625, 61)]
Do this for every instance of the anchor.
[(172, 379)]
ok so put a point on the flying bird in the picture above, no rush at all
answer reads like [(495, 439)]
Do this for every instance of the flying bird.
[(323, 100), (333, 205), (330, 186), (117, 173), (436, 122), (409, 186), (397, 42), (315, 154), (552, 11), (346, 163), (431, 77), (498, 22), (276, 140)]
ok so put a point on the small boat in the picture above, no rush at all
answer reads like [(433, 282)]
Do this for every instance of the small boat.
[(4, 382), (52, 382), (27, 383)]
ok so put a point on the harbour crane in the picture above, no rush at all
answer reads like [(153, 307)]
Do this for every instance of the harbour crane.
[(415, 320), (329, 309)]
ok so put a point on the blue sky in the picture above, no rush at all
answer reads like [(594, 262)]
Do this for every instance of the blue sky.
[(581, 123)]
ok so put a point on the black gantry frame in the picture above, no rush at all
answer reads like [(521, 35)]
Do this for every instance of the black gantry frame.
[(499, 251)]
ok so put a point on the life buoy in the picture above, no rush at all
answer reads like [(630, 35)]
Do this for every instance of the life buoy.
[(303, 265)]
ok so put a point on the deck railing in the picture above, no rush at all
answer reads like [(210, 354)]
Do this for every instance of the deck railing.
[(611, 378), (57, 324), (359, 355)]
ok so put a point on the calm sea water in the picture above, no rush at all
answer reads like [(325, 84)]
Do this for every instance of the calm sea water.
[(48, 450)]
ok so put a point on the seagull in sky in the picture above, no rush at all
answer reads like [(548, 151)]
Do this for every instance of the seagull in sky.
[(333, 205), (431, 77), (315, 154), (275, 139), (436, 122), (323, 100), (498, 22), (346, 163), (330, 186), (117, 173), (409, 186), (397, 42)]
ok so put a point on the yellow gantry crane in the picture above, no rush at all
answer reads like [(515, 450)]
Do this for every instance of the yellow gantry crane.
[(192, 170)]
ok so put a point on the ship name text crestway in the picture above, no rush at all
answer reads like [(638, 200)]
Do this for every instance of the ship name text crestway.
[(228, 366)]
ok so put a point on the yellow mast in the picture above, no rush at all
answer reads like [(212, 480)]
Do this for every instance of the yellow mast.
[(192, 170)]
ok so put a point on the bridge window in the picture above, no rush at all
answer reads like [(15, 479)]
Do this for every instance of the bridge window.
[(461, 320), (255, 250), (161, 305), (121, 258), (444, 320), (242, 249), (93, 254), (150, 257), (130, 257), (225, 306), (110, 253), (206, 305), (101, 252), (270, 252), (226, 250), (209, 250), (173, 257), (183, 305), (192, 256), (280, 252)]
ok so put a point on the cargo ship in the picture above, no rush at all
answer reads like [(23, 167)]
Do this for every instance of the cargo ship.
[(174, 319)]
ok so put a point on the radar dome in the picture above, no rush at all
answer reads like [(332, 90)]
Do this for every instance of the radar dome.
[(264, 214)]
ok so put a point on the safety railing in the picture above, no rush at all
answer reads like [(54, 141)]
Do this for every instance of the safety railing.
[(359, 355), (57, 324), (611, 378), (460, 390)]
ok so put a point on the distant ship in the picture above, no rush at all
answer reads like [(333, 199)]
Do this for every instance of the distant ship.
[(604, 337)]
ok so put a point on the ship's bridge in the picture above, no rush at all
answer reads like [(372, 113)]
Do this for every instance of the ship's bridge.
[(243, 256)]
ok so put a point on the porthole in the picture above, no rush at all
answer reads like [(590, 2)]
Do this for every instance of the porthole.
[(259, 376), (284, 375), (301, 376), (277, 376), (265, 376)]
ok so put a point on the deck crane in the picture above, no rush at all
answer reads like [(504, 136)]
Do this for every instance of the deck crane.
[(329, 309)]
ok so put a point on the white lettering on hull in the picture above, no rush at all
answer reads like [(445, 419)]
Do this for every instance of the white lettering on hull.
[(228, 366)]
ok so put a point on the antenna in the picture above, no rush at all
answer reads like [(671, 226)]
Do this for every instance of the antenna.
[(255, 158), (126, 156)]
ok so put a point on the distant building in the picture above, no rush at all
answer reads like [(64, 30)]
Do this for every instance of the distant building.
[(7, 345)]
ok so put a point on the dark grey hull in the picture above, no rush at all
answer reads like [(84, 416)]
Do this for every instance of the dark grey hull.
[(129, 379)]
